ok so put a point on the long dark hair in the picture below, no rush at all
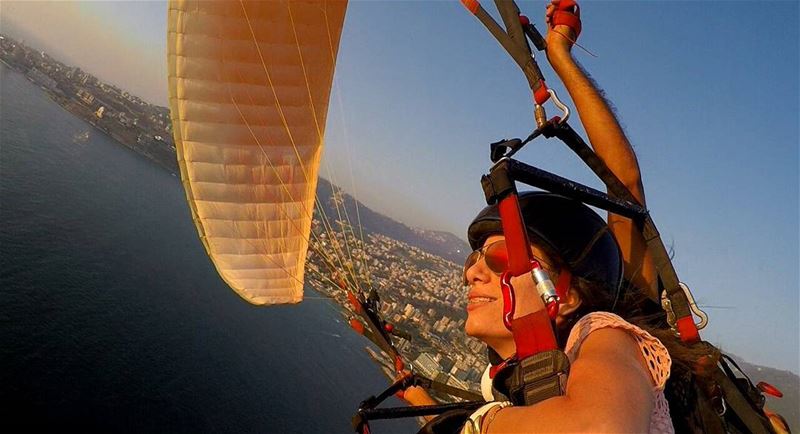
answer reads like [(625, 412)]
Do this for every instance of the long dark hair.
[(688, 362)]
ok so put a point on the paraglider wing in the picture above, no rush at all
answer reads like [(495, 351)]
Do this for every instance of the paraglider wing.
[(249, 86)]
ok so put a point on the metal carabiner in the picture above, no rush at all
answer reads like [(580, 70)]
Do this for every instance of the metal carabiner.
[(560, 105), (671, 319), (697, 311), (540, 115)]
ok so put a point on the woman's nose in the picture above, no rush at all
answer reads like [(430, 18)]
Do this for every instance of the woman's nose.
[(478, 272)]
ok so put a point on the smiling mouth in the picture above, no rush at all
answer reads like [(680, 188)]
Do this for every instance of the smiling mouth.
[(474, 302)]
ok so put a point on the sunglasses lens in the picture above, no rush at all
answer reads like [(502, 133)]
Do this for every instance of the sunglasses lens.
[(495, 254), (497, 257)]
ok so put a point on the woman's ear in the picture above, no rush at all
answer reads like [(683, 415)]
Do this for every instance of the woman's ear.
[(570, 303)]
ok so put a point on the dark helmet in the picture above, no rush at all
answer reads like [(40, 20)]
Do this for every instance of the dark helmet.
[(567, 228)]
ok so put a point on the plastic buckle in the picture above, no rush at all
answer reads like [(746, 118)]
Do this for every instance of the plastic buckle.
[(539, 377)]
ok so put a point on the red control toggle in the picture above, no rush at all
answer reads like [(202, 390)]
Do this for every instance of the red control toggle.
[(509, 299), (769, 389)]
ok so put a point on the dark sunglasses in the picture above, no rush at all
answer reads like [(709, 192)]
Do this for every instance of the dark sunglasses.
[(496, 256)]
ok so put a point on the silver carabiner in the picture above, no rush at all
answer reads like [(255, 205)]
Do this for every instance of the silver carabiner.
[(560, 105), (697, 311), (671, 319), (540, 115)]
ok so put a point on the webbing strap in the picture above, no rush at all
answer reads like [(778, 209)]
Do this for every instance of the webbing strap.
[(564, 280), (516, 237), (521, 54), (663, 263), (740, 405), (533, 333)]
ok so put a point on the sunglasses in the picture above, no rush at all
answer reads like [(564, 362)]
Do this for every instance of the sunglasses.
[(496, 257)]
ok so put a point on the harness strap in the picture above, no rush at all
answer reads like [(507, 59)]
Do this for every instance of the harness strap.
[(666, 271), (517, 49), (533, 333), (736, 401)]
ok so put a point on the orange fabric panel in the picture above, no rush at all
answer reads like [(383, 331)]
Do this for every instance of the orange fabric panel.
[(249, 87)]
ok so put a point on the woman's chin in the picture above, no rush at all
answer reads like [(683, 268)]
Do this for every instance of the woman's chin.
[(485, 332), (475, 329), (469, 329)]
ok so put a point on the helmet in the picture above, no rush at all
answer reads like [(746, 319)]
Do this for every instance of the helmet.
[(564, 227)]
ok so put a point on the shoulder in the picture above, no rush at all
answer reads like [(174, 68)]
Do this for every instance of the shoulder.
[(604, 334), (606, 369)]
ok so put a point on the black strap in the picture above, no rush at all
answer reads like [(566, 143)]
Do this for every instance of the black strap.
[(449, 422), (753, 420), (663, 263), (517, 49), (532, 379)]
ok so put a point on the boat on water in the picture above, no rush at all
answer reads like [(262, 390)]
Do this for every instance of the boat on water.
[(81, 138)]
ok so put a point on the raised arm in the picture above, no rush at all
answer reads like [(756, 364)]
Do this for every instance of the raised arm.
[(610, 144)]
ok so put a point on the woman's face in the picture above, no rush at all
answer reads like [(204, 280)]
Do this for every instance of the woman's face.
[(485, 301)]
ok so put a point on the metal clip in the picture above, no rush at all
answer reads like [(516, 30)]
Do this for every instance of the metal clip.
[(544, 286), (540, 116), (671, 319), (560, 105)]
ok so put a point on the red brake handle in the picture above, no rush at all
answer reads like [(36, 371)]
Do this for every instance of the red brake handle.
[(509, 299)]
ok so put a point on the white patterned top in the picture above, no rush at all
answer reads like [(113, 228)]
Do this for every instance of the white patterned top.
[(653, 351)]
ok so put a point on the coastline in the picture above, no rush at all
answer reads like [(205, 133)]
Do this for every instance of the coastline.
[(167, 158)]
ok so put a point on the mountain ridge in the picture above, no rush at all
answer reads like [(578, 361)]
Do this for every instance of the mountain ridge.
[(335, 202)]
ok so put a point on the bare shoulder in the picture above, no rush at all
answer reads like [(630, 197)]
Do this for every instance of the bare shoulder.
[(614, 350), (608, 370), (609, 342)]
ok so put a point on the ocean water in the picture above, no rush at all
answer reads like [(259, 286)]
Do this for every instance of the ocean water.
[(113, 319)]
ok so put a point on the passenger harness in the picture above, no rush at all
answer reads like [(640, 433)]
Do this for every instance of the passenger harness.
[(539, 369)]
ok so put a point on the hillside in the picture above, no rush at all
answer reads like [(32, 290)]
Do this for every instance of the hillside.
[(787, 382), (438, 243)]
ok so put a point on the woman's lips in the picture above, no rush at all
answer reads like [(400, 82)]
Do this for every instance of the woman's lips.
[(476, 301)]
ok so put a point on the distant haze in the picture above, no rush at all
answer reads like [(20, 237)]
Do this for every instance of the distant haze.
[(128, 51)]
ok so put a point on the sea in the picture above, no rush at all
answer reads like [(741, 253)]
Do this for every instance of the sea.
[(113, 319)]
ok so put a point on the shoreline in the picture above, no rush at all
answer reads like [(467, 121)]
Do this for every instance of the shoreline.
[(84, 115)]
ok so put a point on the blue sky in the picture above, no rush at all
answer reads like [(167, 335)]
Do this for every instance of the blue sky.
[(707, 92)]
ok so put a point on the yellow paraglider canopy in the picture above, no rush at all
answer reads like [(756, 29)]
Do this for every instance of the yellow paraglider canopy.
[(249, 86)]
